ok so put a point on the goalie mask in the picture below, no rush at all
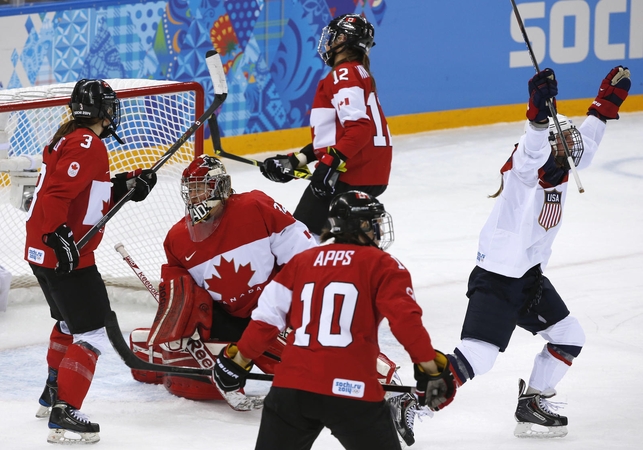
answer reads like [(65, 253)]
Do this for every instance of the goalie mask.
[(361, 215), (205, 188), (573, 139), (95, 99), (359, 35)]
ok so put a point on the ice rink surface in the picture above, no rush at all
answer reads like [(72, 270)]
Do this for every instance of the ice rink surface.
[(438, 200)]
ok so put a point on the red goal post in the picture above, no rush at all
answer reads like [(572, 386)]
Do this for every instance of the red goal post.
[(154, 115)]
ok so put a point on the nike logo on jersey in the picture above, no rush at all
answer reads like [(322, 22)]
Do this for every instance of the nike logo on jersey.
[(187, 258)]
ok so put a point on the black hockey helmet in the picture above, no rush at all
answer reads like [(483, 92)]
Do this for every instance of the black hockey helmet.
[(96, 99), (359, 33), (358, 213)]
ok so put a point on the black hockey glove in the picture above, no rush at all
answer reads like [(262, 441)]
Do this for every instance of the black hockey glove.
[(62, 241), (542, 87), (280, 168), (326, 174), (435, 390), (229, 375), (612, 93), (142, 180)]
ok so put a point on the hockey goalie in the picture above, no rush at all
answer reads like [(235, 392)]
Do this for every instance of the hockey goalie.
[(219, 258)]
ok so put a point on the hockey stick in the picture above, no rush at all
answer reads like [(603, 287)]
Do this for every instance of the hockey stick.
[(303, 174), (213, 61), (132, 361), (550, 103)]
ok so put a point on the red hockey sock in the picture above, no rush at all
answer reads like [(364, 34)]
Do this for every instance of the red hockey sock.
[(59, 342), (75, 374)]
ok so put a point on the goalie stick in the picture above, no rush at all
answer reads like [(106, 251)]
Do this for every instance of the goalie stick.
[(550, 103), (303, 174), (201, 354), (134, 362), (213, 61)]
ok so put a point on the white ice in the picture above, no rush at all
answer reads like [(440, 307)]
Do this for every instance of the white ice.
[(437, 197)]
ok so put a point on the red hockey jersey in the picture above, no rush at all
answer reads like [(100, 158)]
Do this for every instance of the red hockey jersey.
[(74, 187), (334, 297), (347, 115), (255, 237)]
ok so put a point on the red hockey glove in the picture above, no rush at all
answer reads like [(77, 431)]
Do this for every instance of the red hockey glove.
[(326, 174), (435, 390), (62, 241), (542, 87), (613, 91), (229, 375), (142, 180)]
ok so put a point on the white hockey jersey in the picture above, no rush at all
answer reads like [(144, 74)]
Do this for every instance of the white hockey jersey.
[(528, 213)]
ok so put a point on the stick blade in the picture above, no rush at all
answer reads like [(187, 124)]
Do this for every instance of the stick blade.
[(217, 74)]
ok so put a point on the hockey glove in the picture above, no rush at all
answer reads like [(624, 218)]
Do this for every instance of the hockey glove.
[(62, 241), (542, 87), (326, 174), (435, 390), (613, 91), (229, 375), (142, 180), (280, 168)]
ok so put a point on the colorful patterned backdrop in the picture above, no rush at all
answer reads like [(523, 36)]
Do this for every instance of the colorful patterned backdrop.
[(268, 48)]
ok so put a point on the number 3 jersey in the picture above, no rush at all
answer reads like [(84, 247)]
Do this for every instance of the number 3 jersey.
[(74, 188), (334, 297), (254, 238), (347, 115)]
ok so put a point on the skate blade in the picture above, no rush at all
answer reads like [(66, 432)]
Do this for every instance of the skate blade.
[(67, 437), (43, 412), (535, 431)]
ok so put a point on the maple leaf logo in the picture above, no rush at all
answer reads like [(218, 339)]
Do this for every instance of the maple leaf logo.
[(230, 283)]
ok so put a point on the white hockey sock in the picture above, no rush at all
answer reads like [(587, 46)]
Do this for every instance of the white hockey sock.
[(547, 371)]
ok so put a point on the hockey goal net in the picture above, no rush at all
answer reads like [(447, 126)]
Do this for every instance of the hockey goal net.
[(154, 115)]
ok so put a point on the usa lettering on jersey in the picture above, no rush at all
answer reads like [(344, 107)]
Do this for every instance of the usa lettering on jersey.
[(552, 211)]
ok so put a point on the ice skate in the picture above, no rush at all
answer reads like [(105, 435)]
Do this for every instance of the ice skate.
[(67, 425), (535, 416), (404, 409), (47, 399)]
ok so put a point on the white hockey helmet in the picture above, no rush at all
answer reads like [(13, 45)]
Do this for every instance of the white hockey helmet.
[(573, 139)]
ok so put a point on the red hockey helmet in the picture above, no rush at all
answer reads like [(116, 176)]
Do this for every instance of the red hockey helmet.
[(205, 187)]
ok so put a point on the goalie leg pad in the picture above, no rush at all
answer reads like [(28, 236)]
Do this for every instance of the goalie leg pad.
[(385, 369), (189, 386), (138, 345), (183, 309)]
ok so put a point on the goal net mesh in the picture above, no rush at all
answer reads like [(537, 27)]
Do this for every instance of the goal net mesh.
[(154, 115)]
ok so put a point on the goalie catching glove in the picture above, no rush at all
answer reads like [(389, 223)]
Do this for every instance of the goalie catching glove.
[(229, 375), (435, 390), (611, 95)]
